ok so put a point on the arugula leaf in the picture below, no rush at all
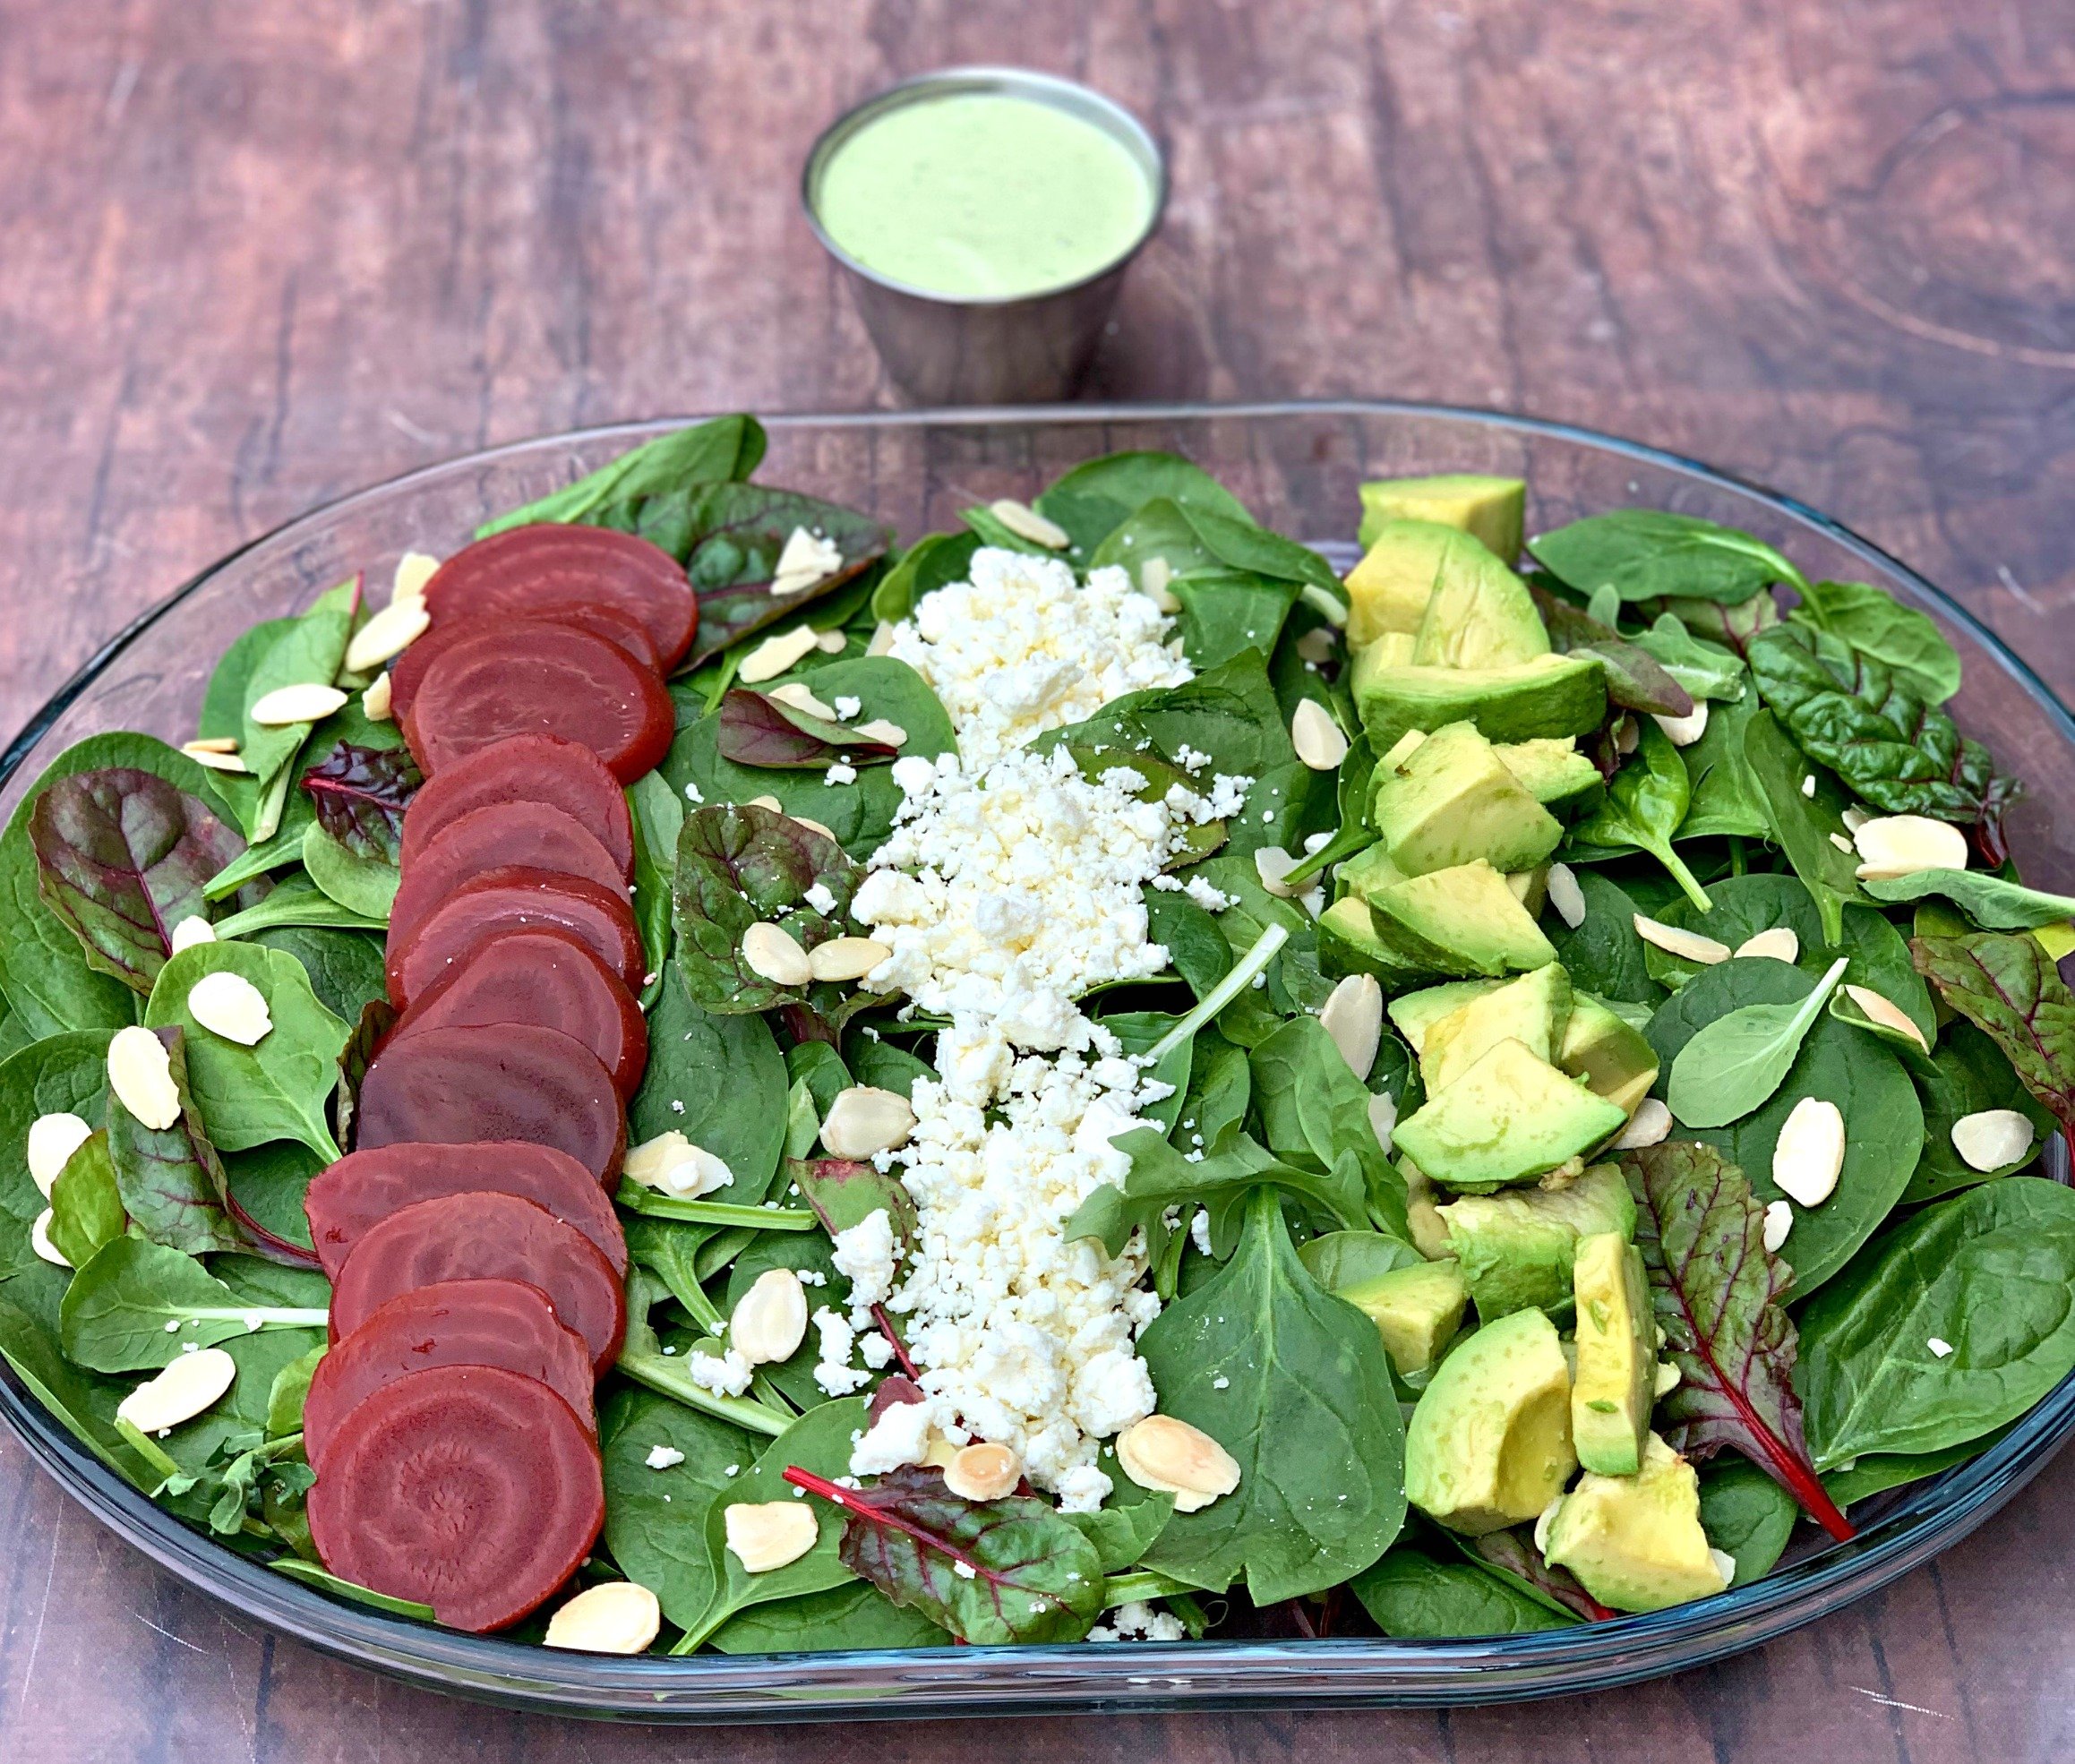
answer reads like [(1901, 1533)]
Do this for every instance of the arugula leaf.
[(1732, 1066), (1412, 1593), (1645, 806), (1642, 553), (2009, 987), (116, 1311), (724, 448), (1098, 496), (1306, 1408), (758, 730), (1994, 902), (359, 795), (1876, 623), (86, 1211), (1635, 679), (1716, 1290), (1805, 825), (933, 561), (1988, 1273)]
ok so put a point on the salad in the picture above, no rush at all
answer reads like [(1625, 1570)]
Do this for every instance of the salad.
[(686, 1078)]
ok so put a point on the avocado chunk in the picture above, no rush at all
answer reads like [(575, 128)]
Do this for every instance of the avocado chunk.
[(1479, 615), (1516, 1247), (1389, 588), (1510, 1118), (1423, 1221), (1348, 944), (1492, 510), (1370, 872), (1418, 1012), (1616, 1382), (1393, 649), (1609, 1053), (1531, 1010), (1416, 1310), (1452, 799), (1553, 773), (1462, 921), (1551, 696), (1635, 1542), (1490, 1445)]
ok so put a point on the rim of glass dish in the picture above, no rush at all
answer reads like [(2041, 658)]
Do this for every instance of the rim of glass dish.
[(909, 1682)]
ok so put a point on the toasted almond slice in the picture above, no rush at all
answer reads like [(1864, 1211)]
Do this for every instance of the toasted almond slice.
[(1780, 943), (210, 744), (1894, 845), (191, 1384), (864, 1119), (39, 1239), (672, 1165), (798, 694), (1809, 1152), (767, 1534), (376, 701), (1317, 645), (887, 733), (815, 827), (1547, 1517), (1855, 817), (831, 643), (191, 930), (1992, 1138), (308, 703), (215, 761), (1271, 864), (1154, 577), (1317, 737), (1725, 1563), (141, 1075), (769, 1321), (1024, 521), (1682, 731), (770, 953), (1163, 1453), (230, 1006), (775, 654), (770, 802), (1353, 1016), (983, 1473), (845, 958), (387, 635), (618, 1617), (1808, 786), (1675, 940), (52, 1139), (1883, 1010), (1565, 895), (882, 639), (807, 558), (414, 570), (1778, 1223), (1651, 1124), (1843, 844)]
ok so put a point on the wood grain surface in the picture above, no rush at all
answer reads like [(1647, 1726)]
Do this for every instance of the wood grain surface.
[(254, 254)]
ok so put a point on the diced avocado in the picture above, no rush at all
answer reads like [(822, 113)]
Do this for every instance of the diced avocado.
[(1418, 1012), (1393, 649), (1615, 1381), (1532, 1010), (1480, 615), (1389, 588), (1494, 510), (1635, 1542), (1608, 1054), (1553, 773), (1530, 888), (1370, 872), (1550, 696), (1490, 1441), (1348, 944), (1516, 1247), (1452, 799), (1416, 1310), (1510, 1118), (1462, 921), (1423, 1220)]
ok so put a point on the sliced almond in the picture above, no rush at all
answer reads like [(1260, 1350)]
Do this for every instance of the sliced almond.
[(1682, 731), (1809, 1152), (807, 558), (1154, 577), (1841, 843), (1780, 944), (815, 827), (1651, 1124), (983, 1473), (414, 570), (307, 703), (1883, 1010), (215, 761), (882, 639), (190, 1384), (772, 656), (1547, 1518), (881, 730), (1271, 864), (769, 1534), (1402, 749), (1992, 1138), (1667, 1378), (772, 955), (1565, 895), (1778, 1223), (141, 1075), (769, 1322), (619, 1617), (1024, 521), (378, 700), (1353, 1016), (191, 930), (52, 1139), (210, 744), (1317, 737), (1674, 940), (1725, 1563), (1808, 786), (39, 1239), (864, 1119), (387, 635), (845, 958), (798, 694), (1855, 817), (831, 643), (230, 1006), (770, 802), (1316, 646), (1894, 845), (1384, 1118), (1173, 1458), (672, 1165)]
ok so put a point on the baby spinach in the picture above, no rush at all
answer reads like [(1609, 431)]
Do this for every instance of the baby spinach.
[(1292, 1382), (851, 1616), (722, 448), (878, 1063), (1876, 623), (1732, 1066), (1098, 496), (172, 1181), (1603, 954), (1130, 1518), (658, 814), (310, 651), (933, 561), (1990, 1274), (59, 1075), (1807, 825), (358, 795), (137, 1305), (365, 886), (1994, 903), (1877, 1472), (1228, 714), (86, 1211), (1748, 1516), (1413, 1595), (719, 1080), (84, 1401), (2009, 987), (1642, 553), (295, 902), (1313, 1107), (1966, 1074), (1227, 611), (1645, 806), (345, 967), (1727, 800)]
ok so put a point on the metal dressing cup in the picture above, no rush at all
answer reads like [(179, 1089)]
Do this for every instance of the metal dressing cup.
[(948, 349)]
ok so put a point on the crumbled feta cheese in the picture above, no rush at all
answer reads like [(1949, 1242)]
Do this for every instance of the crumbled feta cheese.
[(847, 707), (727, 1376), (1082, 1489), (832, 1371), (1139, 1622), (900, 1435), (840, 773), (865, 1256), (1199, 1227), (664, 1458), (817, 896), (1206, 895)]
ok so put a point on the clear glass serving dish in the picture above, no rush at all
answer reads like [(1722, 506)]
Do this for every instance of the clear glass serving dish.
[(1297, 467)]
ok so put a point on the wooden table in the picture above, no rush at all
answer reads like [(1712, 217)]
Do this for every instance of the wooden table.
[(256, 254)]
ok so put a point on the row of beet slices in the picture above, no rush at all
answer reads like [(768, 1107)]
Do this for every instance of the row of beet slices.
[(477, 1267)]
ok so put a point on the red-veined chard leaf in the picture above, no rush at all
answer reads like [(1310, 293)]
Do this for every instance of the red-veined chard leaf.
[(360, 794), (1518, 1561), (1635, 679), (758, 730), (122, 857), (2009, 987), (1716, 1291), (992, 1572)]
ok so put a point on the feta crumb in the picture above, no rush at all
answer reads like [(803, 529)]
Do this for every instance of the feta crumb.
[(900, 1437), (664, 1458), (726, 1377), (847, 707), (1939, 1349), (816, 895), (840, 773)]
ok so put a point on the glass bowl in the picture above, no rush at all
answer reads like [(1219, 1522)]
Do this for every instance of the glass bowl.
[(1297, 467)]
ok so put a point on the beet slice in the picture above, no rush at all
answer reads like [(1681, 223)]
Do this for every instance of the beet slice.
[(352, 1197), (543, 567), (452, 1323), (540, 678), (618, 628), (501, 835), (539, 977), (407, 672), (470, 1488), (515, 900), (485, 1237), (509, 1080), (527, 769)]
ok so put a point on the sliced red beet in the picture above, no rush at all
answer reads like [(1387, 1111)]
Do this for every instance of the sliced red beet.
[(539, 977), (541, 568), (485, 1237), (348, 1200), (452, 1323), (501, 835), (625, 633), (515, 900), (527, 769), (455, 1086), (539, 678), (470, 1488), (618, 628)]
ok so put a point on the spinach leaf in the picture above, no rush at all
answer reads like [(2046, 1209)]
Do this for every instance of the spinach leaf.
[(883, 1066), (1705, 670), (295, 902), (365, 886), (1807, 825), (1196, 945), (1414, 1594), (276, 1089), (1994, 902), (86, 1211), (658, 814), (1228, 714), (1991, 1275), (345, 967), (1227, 611), (1635, 679), (1876, 623), (933, 561), (1727, 802), (296, 1569), (1603, 954), (267, 1188), (1731, 1067), (719, 1080), (1124, 1528), (2009, 987), (1645, 806), (59, 1075), (1877, 1472), (310, 653), (116, 1311), (1966, 1074), (1641, 554), (1747, 1515), (1098, 496), (358, 795), (85, 1401), (856, 1615), (1313, 1107), (1306, 1408), (722, 448)]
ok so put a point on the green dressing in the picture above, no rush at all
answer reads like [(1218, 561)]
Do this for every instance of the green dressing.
[(982, 196)]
